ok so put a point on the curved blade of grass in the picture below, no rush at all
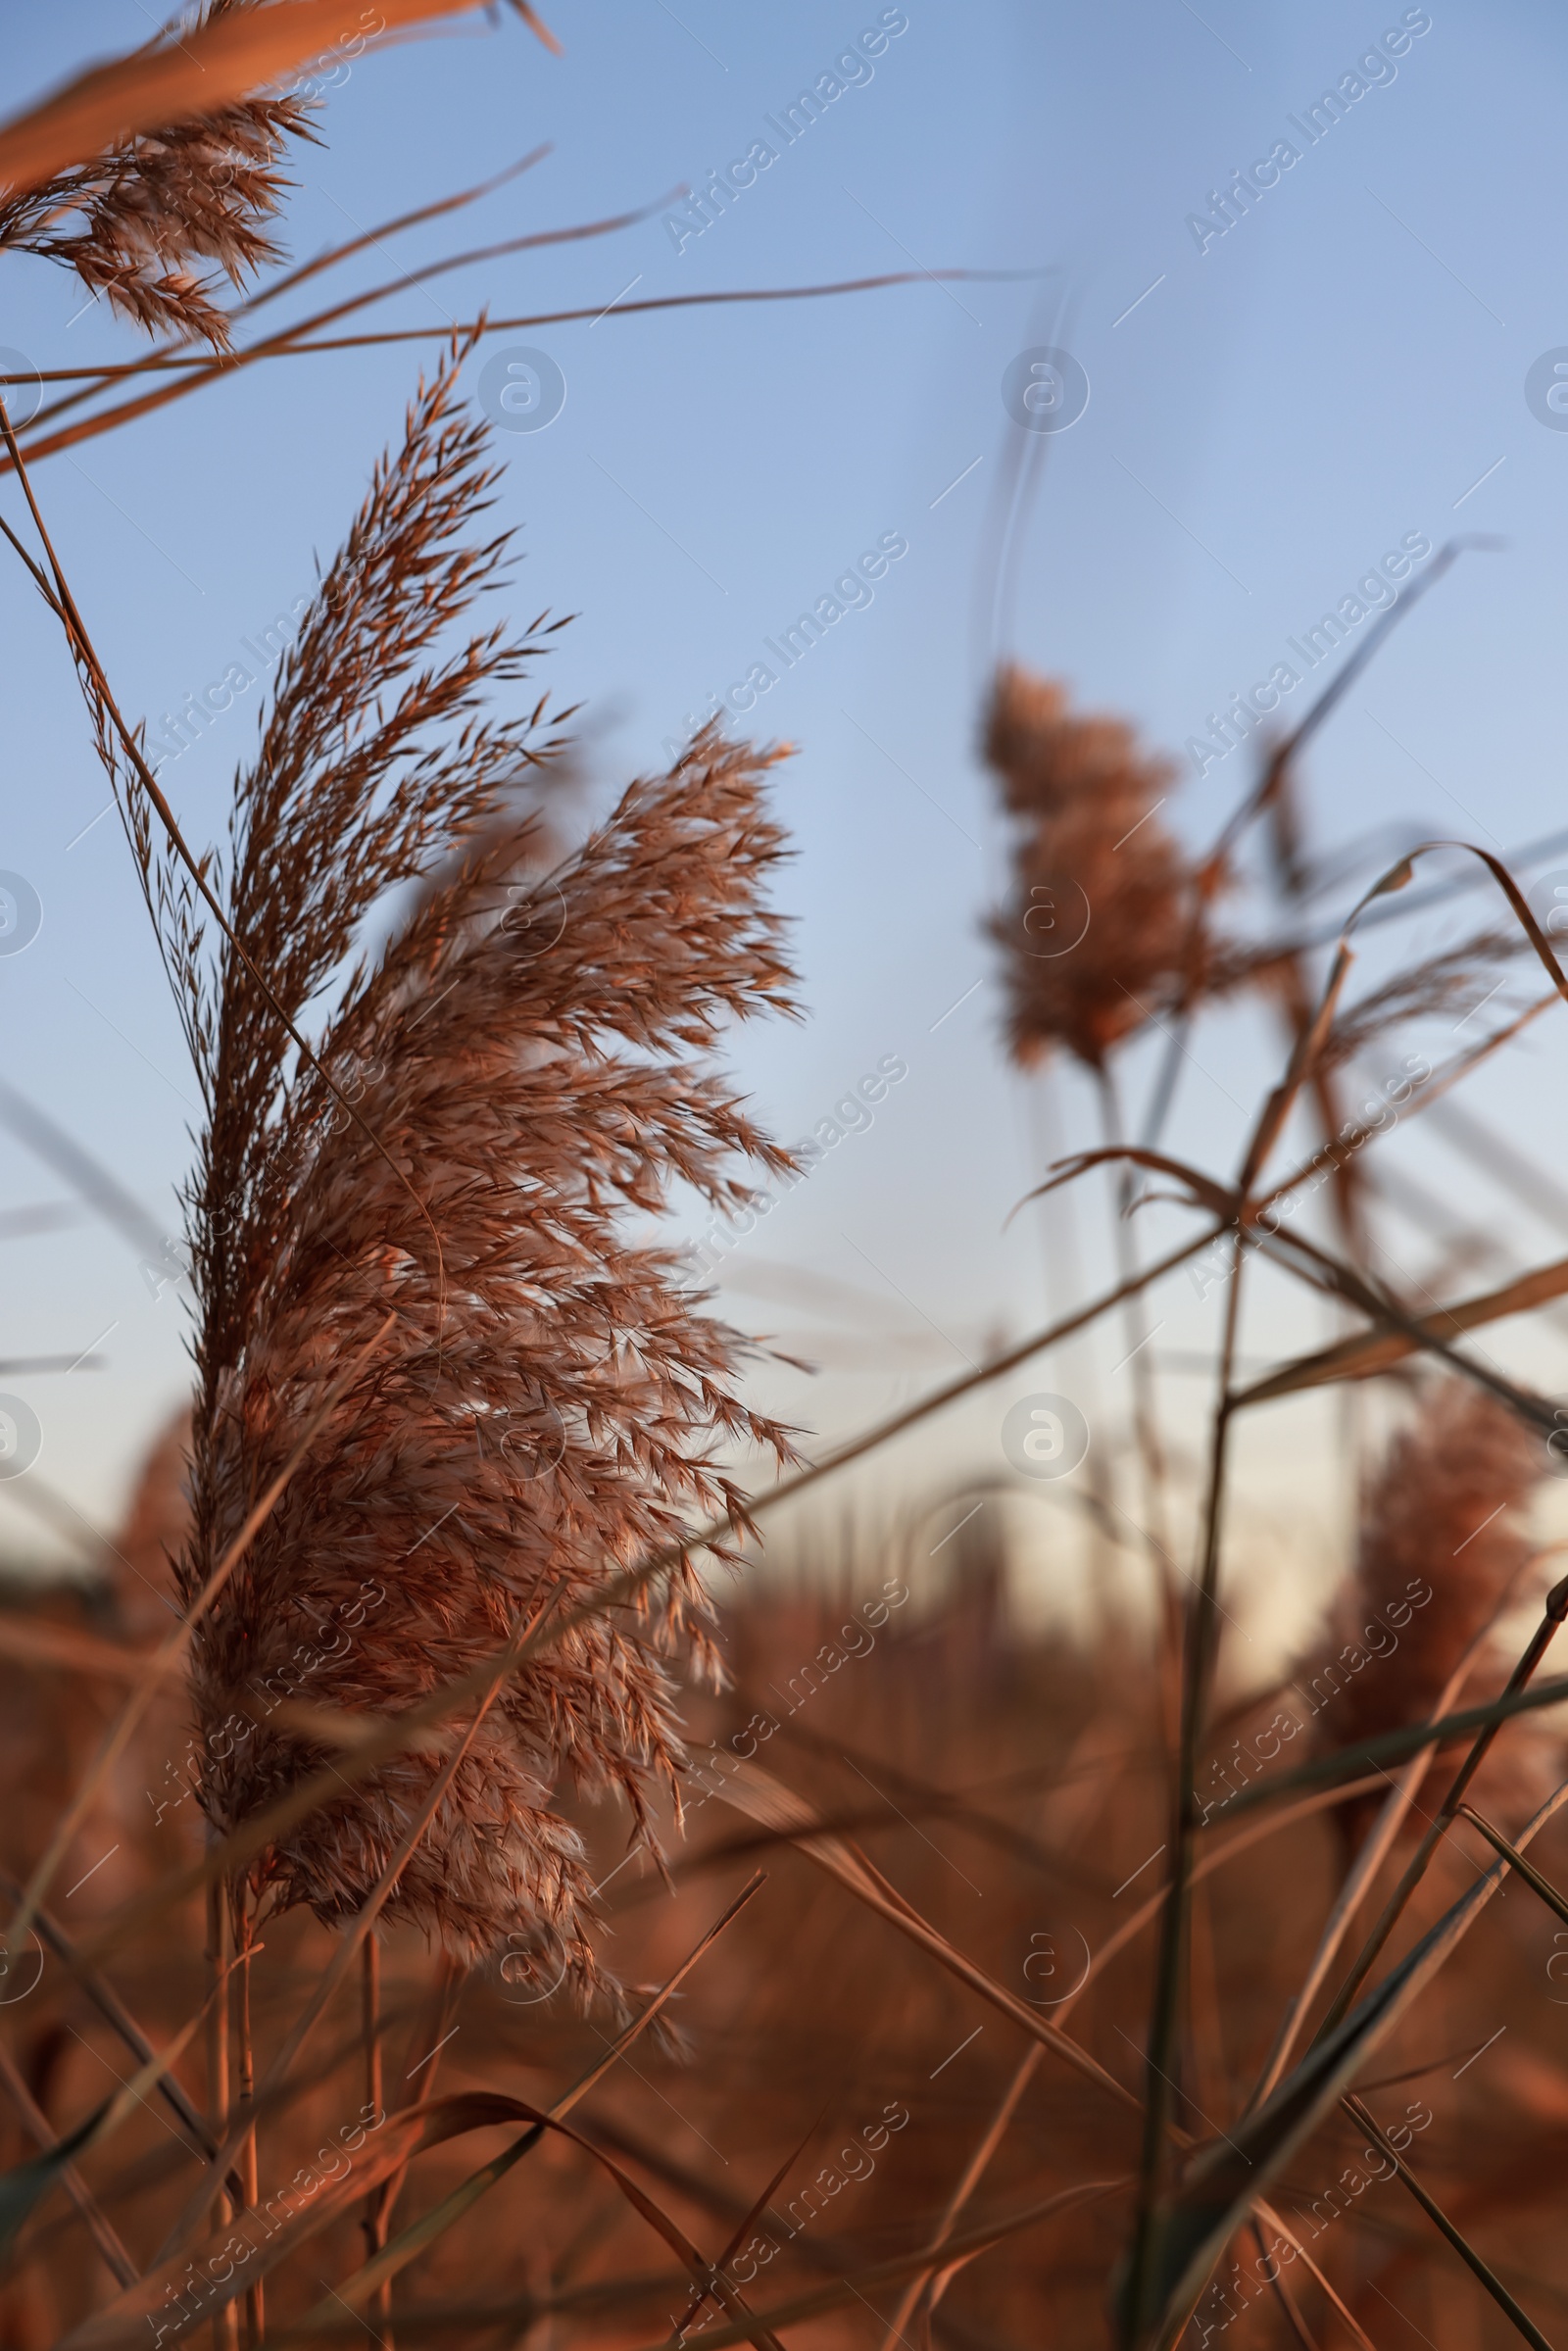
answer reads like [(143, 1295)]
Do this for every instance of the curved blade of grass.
[(192, 374), (357, 2291), (30, 2183), (188, 373), (404, 2136), (1226, 2178), (21, 2189)]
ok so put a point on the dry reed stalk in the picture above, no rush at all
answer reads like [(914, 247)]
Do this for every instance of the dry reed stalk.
[(218, 2019)]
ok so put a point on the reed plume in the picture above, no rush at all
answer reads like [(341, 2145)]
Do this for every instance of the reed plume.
[(1088, 849), (134, 222), (1441, 1547), (518, 1079)]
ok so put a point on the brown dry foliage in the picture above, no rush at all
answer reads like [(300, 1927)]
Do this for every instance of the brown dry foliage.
[(133, 222), (1083, 798), (1008, 1786)]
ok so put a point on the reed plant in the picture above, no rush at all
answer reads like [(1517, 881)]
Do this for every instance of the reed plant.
[(502, 1911)]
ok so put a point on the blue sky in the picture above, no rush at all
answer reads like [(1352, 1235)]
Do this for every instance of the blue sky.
[(1267, 415)]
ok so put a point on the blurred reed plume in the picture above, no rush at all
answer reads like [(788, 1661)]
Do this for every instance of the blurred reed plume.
[(1088, 849), (1442, 1546), (133, 222)]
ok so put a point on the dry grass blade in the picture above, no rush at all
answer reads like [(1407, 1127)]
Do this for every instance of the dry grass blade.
[(1519, 2319), (925, 2293), (753, 1791), (1512, 1854), (78, 1652), (1552, 1615), (399, 2138), (1369, 1353), (175, 81), (955, 2249), (1344, 1764), (18, 2196), (289, 338), (194, 373), (1226, 2178), (21, 2190), (1374, 1851), (359, 2290), (1267, 2214)]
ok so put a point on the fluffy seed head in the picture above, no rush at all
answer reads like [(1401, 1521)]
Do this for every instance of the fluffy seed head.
[(1088, 849), (1441, 1547), (133, 224), (529, 1066)]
